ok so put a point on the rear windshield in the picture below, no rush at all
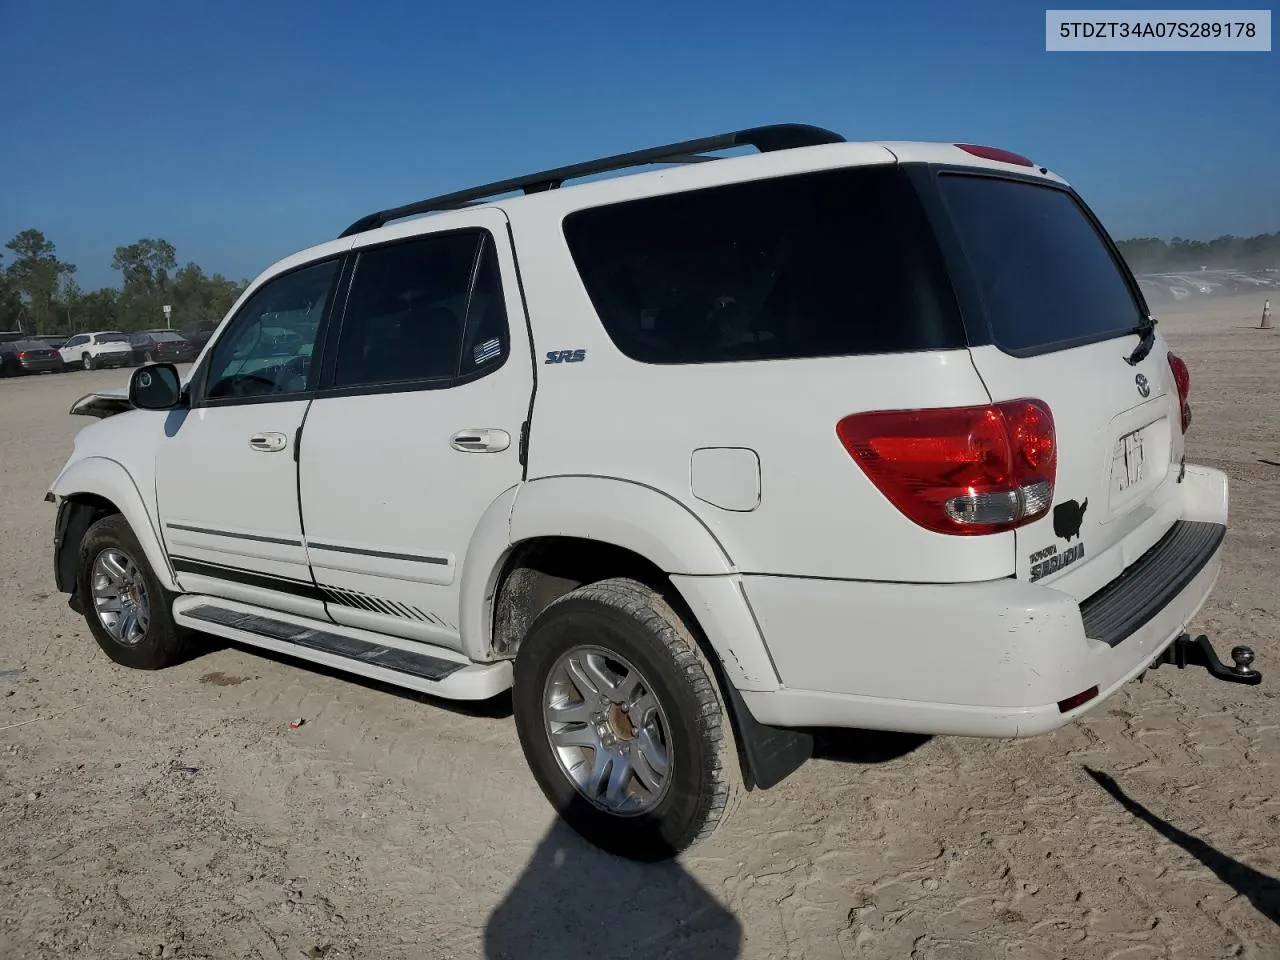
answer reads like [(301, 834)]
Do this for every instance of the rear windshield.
[(165, 335), (112, 338), (1045, 274), (823, 264)]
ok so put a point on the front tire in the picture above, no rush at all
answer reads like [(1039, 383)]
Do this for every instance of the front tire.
[(621, 723), (87, 361), (128, 611)]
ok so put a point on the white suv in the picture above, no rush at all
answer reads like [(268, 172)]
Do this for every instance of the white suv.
[(872, 435), (105, 348)]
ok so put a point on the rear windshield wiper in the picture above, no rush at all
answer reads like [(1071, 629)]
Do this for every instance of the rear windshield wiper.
[(1146, 329)]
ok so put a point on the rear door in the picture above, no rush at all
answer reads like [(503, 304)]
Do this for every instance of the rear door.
[(415, 431), (71, 350), (1058, 311)]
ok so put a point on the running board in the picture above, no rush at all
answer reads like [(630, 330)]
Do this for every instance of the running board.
[(403, 663)]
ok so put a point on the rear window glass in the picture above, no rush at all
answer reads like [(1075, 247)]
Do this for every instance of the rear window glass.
[(823, 264), (112, 338), (165, 335), (1045, 274)]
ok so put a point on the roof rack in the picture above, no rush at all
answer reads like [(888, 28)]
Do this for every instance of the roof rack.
[(782, 136)]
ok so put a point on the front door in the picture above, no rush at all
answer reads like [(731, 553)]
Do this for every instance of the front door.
[(73, 350), (415, 429), (226, 475)]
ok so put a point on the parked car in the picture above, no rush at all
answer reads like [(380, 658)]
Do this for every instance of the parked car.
[(55, 342), (97, 350), (28, 356), (842, 434), (150, 346), (199, 334)]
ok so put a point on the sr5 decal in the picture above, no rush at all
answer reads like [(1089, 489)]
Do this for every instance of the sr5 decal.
[(565, 356)]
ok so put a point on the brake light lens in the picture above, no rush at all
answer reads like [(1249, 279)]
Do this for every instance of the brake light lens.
[(959, 470), (1182, 379), (995, 153), (23, 355)]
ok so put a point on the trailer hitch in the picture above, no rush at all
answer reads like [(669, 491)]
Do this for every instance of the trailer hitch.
[(1184, 652)]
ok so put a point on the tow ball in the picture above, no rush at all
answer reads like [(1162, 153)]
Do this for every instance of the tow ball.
[(1184, 652)]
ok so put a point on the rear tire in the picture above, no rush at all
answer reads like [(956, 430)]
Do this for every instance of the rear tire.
[(621, 722), (147, 358), (129, 613)]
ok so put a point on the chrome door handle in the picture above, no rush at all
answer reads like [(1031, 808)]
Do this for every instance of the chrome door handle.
[(489, 440), (269, 442)]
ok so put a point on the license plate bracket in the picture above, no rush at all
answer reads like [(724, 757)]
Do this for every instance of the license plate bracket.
[(1128, 463)]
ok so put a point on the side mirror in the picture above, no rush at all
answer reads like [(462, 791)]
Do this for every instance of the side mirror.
[(156, 386)]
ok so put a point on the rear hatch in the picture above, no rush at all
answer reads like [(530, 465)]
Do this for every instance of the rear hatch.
[(1052, 316)]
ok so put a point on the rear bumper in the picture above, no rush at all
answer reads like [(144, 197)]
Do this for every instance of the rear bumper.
[(39, 366), (122, 358), (984, 659)]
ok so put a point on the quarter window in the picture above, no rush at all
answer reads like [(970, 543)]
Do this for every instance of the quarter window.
[(826, 264)]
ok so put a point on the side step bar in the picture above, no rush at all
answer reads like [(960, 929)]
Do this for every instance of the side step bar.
[(402, 663)]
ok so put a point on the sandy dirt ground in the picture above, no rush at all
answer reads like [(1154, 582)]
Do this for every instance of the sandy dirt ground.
[(176, 814)]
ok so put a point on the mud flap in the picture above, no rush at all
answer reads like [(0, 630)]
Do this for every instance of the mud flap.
[(768, 754)]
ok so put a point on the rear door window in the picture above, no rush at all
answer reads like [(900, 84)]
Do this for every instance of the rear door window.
[(1045, 274), (421, 313), (834, 263)]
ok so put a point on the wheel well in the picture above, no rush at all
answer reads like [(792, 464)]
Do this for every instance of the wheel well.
[(544, 569), (76, 514)]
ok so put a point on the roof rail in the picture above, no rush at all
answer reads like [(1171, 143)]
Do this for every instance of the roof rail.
[(782, 136)]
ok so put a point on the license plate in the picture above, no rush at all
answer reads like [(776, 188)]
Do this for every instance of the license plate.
[(1129, 465)]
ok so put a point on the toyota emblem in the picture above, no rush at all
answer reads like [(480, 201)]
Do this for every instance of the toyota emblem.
[(1144, 388)]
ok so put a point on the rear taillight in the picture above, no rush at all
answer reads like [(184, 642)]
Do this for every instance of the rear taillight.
[(24, 355), (1182, 379), (959, 470)]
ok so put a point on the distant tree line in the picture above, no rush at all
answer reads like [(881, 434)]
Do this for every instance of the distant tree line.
[(1149, 255), (39, 293)]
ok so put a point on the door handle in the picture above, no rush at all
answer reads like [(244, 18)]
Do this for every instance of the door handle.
[(489, 440), (269, 442)]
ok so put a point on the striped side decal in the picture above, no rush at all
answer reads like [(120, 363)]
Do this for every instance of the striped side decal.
[(322, 593)]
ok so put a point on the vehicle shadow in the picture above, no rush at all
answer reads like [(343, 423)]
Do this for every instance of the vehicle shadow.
[(1260, 890), (575, 900), (864, 746)]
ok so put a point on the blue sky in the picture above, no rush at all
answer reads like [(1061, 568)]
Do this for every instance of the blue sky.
[(242, 131)]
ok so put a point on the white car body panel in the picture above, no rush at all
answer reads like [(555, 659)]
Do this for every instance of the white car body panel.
[(226, 505), (988, 660)]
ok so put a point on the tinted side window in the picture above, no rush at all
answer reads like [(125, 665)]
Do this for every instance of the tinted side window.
[(1044, 272), (823, 264), (406, 313), (266, 349)]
